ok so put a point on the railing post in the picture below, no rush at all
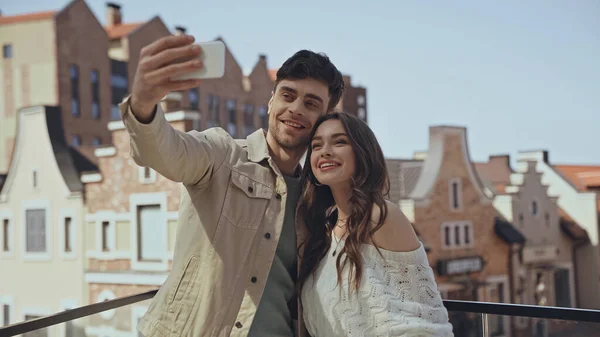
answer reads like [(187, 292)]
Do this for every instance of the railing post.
[(484, 325)]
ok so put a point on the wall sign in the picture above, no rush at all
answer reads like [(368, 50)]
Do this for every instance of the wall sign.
[(463, 265)]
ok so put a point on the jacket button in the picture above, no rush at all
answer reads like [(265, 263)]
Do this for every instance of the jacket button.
[(250, 189), (253, 279), (278, 196), (267, 235), (238, 325)]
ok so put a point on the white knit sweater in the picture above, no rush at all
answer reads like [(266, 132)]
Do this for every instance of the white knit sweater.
[(398, 296)]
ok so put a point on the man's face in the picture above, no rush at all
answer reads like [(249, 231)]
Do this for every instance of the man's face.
[(293, 110)]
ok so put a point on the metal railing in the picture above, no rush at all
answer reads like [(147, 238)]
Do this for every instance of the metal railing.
[(482, 308)]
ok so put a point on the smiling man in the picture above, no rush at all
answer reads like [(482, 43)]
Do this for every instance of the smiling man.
[(236, 256)]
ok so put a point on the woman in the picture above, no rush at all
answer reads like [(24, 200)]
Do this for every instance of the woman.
[(364, 272)]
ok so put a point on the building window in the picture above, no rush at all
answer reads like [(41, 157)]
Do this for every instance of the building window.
[(105, 236), (146, 175), (248, 119), (232, 115), (149, 233), (5, 314), (34, 179), (562, 288), (74, 75), (264, 119), (534, 208), (521, 219), (67, 233), (7, 51), (95, 94), (76, 140), (106, 295), (97, 141), (213, 110), (496, 322), (360, 99), (118, 81), (457, 234), (35, 230), (115, 113), (362, 113), (455, 195), (36, 333), (6, 235), (194, 97)]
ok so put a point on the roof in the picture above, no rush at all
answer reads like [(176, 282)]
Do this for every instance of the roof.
[(507, 232), (121, 30), (404, 174), (570, 228), (273, 74), (582, 176), (495, 173), (439, 137), (70, 162), (5, 20)]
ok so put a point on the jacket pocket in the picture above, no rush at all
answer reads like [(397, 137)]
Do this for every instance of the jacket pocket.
[(183, 285), (245, 201)]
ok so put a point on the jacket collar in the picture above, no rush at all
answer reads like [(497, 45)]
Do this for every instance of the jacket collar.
[(258, 150)]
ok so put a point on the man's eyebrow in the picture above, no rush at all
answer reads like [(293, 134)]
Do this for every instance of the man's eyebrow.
[(294, 91)]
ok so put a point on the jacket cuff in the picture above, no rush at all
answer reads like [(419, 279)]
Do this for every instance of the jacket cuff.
[(133, 125)]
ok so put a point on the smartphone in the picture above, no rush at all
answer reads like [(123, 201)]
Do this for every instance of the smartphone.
[(213, 59)]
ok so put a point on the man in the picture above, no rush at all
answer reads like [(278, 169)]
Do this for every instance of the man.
[(236, 255)]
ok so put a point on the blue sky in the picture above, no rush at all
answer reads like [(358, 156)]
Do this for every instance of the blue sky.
[(519, 75)]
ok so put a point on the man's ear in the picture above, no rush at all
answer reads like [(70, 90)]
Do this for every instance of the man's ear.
[(270, 102)]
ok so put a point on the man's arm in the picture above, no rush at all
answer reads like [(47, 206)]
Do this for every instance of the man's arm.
[(183, 157), (190, 158)]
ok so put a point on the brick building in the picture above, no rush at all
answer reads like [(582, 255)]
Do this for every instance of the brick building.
[(131, 223), (57, 59), (470, 243), (546, 269)]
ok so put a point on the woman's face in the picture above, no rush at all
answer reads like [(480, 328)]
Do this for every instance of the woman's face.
[(332, 159)]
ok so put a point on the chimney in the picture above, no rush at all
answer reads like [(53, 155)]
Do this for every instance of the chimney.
[(262, 57), (501, 159), (180, 30), (113, 14)]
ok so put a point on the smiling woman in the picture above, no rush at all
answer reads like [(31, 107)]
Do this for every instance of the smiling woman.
[(376, 254)]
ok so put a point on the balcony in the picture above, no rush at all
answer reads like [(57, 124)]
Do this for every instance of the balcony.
[(119, 318)]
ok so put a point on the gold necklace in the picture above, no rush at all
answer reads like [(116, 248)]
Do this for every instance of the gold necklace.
[(337, 243)]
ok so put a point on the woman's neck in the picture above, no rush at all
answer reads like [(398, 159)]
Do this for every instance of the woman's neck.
[(341, 196)]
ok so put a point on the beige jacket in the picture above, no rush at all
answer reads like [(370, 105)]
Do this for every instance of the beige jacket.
[(230, 219)]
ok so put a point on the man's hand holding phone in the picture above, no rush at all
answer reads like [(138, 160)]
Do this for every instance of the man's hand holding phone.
[(172, 63)]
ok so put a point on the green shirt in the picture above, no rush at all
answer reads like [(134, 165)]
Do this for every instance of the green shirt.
[(274, 313)]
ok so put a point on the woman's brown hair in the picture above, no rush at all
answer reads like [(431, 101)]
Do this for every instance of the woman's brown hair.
[(370, 184)]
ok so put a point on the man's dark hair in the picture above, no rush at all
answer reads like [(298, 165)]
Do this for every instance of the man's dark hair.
[(308, 64)]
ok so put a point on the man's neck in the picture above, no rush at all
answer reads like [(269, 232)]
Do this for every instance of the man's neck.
[(287, 160)]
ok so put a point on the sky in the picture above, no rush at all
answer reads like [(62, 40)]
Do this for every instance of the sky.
[(519, 75)]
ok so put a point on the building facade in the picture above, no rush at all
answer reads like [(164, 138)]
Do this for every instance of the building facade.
[(578, 203), (545, 270), (42, 217), (471, 244), (56, 59)]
